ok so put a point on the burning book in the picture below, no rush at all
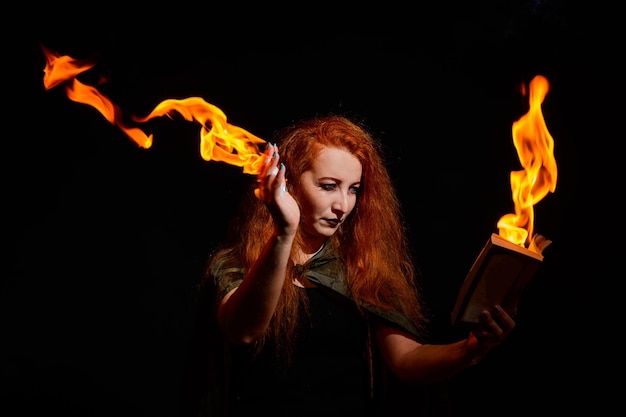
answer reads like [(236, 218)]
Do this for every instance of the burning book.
[(511, 258), (498, 276)]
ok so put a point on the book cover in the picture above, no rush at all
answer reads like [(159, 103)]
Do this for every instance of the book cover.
[(498, 276)]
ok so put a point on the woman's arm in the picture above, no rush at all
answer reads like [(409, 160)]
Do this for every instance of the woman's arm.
[(418, 363), (245, 312)]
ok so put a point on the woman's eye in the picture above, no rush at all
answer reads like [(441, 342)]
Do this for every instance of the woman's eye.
[(355, 190), (328, 187)]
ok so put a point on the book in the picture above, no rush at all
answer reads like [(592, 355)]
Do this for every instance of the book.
[(499, 275)]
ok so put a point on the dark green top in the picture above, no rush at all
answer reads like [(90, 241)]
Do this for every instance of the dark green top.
[(327, 270), (333, 372)]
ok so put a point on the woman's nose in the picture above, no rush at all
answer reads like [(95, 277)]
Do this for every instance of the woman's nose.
[(341, 203)]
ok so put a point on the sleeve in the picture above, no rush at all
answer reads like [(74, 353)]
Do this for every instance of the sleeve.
[(227, 280)]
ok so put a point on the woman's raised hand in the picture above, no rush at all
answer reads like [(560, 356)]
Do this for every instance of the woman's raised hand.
[(273, 191)]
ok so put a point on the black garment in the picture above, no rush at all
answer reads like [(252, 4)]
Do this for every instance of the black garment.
[(328, 376), (331, 373), (327, 270)]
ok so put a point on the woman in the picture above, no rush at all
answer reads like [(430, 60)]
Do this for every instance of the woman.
[(316, 287)]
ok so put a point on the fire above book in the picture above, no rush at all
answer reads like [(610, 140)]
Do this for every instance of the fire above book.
[(498, 276)]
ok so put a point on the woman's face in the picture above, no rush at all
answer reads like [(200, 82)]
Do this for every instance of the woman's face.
[(329, 193)]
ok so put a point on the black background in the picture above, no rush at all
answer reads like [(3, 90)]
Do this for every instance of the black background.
[(106, 241)]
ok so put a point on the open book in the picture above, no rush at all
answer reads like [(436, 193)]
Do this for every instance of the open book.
[(498, 276)]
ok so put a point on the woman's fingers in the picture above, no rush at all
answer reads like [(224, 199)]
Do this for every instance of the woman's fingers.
[(494, 327), (505, 321), (267, 177)]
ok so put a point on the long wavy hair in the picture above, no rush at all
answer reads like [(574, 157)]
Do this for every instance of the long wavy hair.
[(372, 241)]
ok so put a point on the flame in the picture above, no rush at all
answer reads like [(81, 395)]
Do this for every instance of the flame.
[(219, 140), (64, 70), (535, 149), (223, 141)]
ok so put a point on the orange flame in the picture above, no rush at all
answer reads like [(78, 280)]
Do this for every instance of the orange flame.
[(535, 148), (219, 140), (222, 142)]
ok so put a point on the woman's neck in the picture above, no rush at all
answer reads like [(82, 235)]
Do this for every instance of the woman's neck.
[(307, 251)]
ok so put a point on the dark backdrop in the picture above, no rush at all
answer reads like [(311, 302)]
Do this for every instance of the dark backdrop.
[(106, 242)]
